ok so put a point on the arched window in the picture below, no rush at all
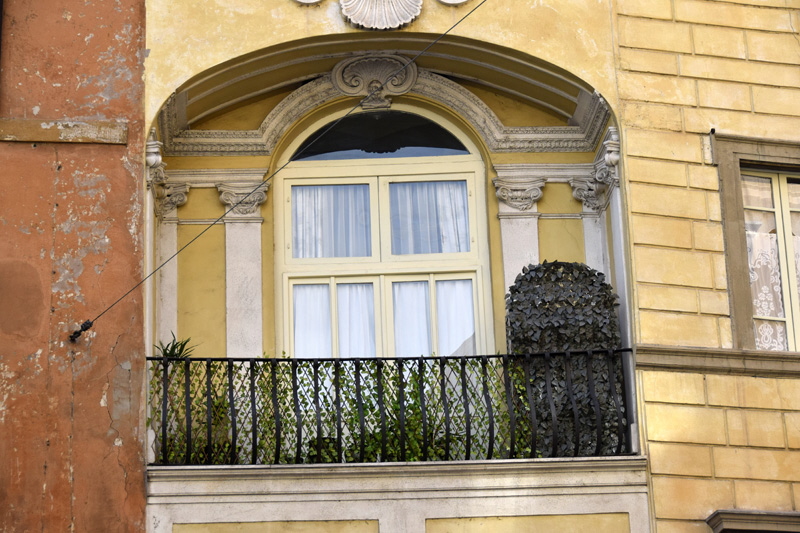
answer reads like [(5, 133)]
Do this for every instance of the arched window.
[(382, 134), (383, 249)]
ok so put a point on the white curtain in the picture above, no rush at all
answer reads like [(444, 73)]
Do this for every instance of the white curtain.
[(455, 319), (412, 336), (331, 221), (429, 217), (356, 310), (766, 290), (312, 321)]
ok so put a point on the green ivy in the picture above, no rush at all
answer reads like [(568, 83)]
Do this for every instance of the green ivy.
[(558, 307), (564, 307)]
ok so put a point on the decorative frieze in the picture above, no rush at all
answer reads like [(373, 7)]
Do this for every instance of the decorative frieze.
[(374, 78), (243, 198), (582, 136), (521, 185)]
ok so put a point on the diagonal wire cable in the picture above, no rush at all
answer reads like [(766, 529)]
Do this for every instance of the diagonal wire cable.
[(89, 323)]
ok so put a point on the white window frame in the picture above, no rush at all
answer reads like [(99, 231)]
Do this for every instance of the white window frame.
[(786, 251), (473, 264)]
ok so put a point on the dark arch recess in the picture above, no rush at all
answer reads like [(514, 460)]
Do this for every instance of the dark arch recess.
[(379, 134)]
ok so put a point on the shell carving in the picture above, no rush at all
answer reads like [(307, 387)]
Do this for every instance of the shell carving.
[(381, 14), (374, 77)]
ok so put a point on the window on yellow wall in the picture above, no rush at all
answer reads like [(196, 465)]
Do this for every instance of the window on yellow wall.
[(758, 185), (771, 202), (383, 258)]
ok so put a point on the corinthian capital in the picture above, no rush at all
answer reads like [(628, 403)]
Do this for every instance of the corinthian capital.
[(243, 198), (520, 192)]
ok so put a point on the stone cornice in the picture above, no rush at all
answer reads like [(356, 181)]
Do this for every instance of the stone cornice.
[(583, 136), (208, 177), (423, 479), (521, 185), (739, 521), (718, 361)]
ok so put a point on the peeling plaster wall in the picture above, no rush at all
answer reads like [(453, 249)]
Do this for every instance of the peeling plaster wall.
[(70, 244)]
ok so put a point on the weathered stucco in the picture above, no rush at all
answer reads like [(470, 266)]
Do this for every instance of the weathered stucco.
[(572, 34), (70, 244)]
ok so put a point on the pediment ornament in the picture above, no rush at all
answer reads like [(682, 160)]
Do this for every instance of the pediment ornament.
[(382, 14), (375, 78)]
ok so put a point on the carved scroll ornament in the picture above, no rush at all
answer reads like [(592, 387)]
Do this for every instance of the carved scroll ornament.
[(519, 192), (244, 198), (374, 77)]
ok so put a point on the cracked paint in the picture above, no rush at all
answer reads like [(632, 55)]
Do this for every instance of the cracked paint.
[(69, 245)]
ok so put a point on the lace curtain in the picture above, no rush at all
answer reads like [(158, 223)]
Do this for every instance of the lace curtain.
[(766, 290)]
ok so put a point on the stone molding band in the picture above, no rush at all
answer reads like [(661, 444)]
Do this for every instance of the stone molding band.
[(350, 82)]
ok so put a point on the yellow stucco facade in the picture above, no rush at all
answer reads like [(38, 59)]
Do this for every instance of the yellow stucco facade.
[(718, 421)]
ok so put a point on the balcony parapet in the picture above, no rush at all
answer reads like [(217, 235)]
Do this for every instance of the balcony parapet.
[(271, 411)]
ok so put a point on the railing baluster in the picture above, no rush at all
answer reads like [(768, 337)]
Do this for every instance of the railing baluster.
[(337, 369), (415, 421), (576, 437), (232, 410), (598, 417), (512, 419), (423, 408), (382, 408), (253, 414), (528, 376), (624, 375), (297, 415), (360, 407), (188, 391), (317, 410), (164, 406), (446, 406), (276, 409), (612, 389), (548, 376), (209, 417), (401, 389), (467, 421), (489, 410)]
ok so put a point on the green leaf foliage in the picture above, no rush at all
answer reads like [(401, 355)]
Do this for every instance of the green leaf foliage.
[(559, 307)]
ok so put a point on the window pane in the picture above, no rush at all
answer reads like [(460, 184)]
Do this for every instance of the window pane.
[(794, 193), (765, 273), (429, 217), (356, 316), (770, 335), (331, 221), (312, 321), (757, 192), (455, 319), (379, 134), (412, 335)]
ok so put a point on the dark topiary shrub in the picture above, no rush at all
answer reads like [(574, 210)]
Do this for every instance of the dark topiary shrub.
[(558, 306), (564, 307)]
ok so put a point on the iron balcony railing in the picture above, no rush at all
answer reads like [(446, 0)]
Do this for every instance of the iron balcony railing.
[(281, 411)]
